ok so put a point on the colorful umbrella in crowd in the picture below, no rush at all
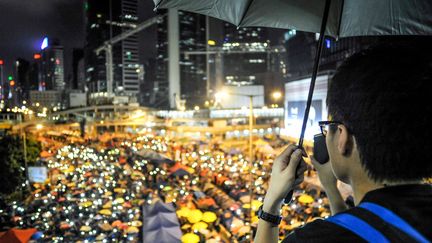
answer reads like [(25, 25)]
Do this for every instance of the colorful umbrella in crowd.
[(194, 216), (190, 238), (199, 226), (17, 235), (304, 198), (209, 217)]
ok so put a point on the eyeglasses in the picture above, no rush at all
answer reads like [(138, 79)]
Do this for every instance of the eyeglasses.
[(323, 126)]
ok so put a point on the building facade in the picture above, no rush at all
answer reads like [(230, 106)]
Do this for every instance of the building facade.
[(245, 57), (301, 48), (105, 20), (52, 65), (192, 37), (22, 86), (251, 58)]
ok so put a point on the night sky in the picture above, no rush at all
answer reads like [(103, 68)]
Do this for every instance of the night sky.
[(24, 23)]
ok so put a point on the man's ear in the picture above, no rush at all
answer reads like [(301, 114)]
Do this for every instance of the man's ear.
[(344, 140)]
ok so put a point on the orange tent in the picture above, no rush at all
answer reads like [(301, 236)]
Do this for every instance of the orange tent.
[(17, 235), (206, 201), (178, 166), (45, 154), (122, 160)]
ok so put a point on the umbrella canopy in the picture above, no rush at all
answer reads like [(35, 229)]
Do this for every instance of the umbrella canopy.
[(180, 172), (200, 225), (45, 154), (17, 235), (206, 202), (116, 223), (190, 238), (209, 217), (136, 223), (105, 212), (345, 18), (105, 227), (132, 230), (158, 207), (195, 216), (165, 235), (159, 221), (85, 228), (183, 212), (154, 156), (304, 198)]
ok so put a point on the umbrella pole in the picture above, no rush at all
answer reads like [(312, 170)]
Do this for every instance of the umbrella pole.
[(312, 84), (315, 70)]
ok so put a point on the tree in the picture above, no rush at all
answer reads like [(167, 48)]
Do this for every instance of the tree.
[(12, 161)]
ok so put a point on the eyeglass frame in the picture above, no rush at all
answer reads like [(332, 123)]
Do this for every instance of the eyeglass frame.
[(323, 124)]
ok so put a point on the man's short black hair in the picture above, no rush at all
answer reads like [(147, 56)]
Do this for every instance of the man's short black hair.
[(384, 96)]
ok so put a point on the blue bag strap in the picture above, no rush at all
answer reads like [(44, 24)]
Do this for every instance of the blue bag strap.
[(358, 227), (394, 220)]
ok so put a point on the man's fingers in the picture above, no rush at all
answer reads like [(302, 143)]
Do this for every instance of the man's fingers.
[(282, 160), (295, 159), (300, 170), (298, 182)]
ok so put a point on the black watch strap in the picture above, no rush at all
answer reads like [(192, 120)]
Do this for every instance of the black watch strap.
[(273, 219)]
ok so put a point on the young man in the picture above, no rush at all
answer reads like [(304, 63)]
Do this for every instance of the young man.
[(379, 142)]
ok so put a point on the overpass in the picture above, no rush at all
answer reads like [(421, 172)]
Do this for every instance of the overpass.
[(111, 114)]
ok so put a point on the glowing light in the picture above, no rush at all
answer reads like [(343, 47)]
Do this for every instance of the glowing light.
[(277, 95), (44, 43)]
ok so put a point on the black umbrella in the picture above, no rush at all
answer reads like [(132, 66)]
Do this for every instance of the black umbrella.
[(337, 18)]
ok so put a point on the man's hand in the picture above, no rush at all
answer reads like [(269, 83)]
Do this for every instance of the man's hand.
[(325, 173), (329, 182), (287, 172)]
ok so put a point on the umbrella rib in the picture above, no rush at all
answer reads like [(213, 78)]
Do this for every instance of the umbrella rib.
[(340, 18), (245, 12), (157, 5)]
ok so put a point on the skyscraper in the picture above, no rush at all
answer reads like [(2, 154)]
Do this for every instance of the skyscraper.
[(77, 57), (243, 65), (46, 75), (104, 20), (253, 57), (192, 37), (301, 49), (52, 66), (23, 79)]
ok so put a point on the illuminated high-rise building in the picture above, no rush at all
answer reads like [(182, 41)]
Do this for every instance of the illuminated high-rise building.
[(192, 37), (104, 20), (246, 63), (52, 65), (301, 48)]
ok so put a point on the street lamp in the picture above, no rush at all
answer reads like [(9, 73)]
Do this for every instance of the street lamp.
[(223, 94), (277, 95)]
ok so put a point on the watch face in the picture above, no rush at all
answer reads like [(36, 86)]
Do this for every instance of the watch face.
[(259, 213)]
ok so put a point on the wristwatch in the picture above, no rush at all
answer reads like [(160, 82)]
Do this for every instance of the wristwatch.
[(273, 219)]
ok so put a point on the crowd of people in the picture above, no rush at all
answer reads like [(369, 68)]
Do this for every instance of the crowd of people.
[(97, 190)]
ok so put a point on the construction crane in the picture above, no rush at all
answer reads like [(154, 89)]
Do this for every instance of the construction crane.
[(107, 47)]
